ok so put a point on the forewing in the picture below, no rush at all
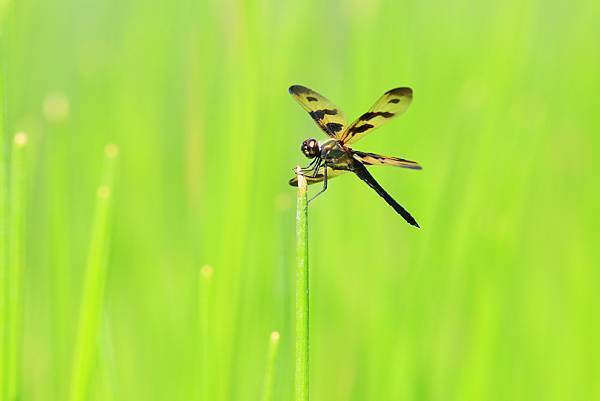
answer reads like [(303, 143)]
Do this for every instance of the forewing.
[(331, 173), (327, 115), (372, 159), (393, 103)]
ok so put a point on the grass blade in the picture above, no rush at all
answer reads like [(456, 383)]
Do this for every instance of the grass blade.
[(268, 384), (17, 208), (204, 311), (302, 292), (3, 234), (90, 314)]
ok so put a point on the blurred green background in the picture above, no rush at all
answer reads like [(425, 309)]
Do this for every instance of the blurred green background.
[(495, 298)]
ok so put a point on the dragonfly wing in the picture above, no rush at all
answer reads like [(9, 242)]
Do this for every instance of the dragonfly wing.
[(326, 114), (393, 103), (372, 159), (331, 173)]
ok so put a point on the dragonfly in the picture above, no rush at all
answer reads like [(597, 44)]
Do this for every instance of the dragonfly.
[(334, 156)]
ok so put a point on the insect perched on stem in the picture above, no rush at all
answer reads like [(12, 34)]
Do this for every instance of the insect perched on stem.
[(334, 156)]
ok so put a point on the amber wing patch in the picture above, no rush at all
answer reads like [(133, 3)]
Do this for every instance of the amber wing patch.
[(392, 104), (325, 114)]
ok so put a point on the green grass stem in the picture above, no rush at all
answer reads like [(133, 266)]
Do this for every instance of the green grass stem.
[(58, 230), (3, 236), (272, 356), (16, 221), (90, 314), (204, 308), (302, 293)]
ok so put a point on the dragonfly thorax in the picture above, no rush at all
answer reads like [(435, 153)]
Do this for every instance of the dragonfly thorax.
[(310, 148), (334, 154)]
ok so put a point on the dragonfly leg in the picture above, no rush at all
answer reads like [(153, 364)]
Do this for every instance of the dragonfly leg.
[(309, 167), (314, 170), (311, 164), (324, 185)]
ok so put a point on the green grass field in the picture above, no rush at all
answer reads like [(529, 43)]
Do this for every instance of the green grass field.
[(160, 273)]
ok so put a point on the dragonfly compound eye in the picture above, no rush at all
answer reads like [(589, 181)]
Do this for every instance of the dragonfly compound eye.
[(310, 148)]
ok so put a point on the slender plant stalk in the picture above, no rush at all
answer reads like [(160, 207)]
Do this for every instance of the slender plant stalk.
[(90, 314), (15, 266), (3, 232), (58, 248), (268, 383), (106, 355), (204, 309), (302, 292)]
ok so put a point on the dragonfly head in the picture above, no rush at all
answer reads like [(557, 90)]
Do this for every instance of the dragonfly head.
[(310, 148)]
